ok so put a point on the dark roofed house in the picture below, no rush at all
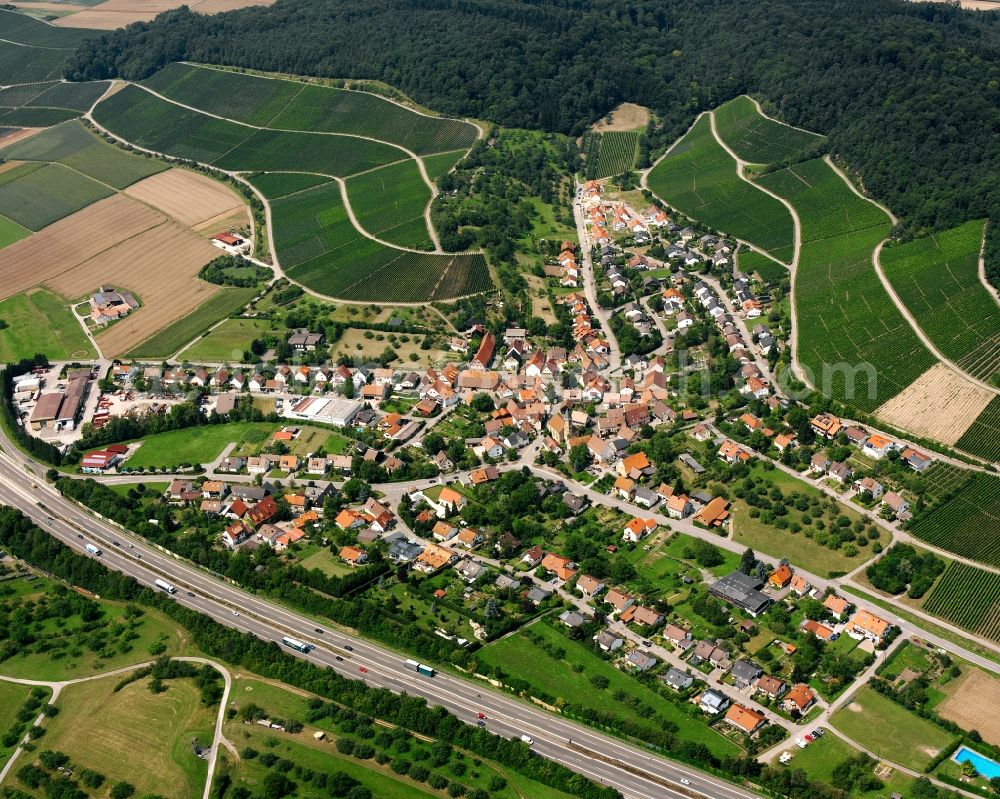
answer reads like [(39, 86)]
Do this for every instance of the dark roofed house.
[(745, 672), (741, 590), (304, 340)]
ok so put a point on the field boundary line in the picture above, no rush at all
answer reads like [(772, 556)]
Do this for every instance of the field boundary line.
[(36, 47)]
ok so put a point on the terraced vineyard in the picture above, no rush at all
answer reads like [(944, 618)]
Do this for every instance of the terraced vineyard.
[(970, 598), (298, 105), (616, 153), (757, 138), (390, 202), (941, 480), (846, 318), (437, 165), (155, 124), (968, 523), (937, 278), (45, 104), (318, 246), (983, 436), (699, 178)]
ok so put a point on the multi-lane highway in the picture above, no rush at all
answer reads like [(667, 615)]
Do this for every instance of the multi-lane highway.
[(629, 769)]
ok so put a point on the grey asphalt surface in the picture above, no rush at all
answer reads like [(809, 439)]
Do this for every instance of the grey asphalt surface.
[(593, 754)]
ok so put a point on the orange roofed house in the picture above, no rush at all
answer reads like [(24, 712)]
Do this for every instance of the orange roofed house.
[(745, 719), (780, 577), (714, 514), (561, 567), (865, 624)]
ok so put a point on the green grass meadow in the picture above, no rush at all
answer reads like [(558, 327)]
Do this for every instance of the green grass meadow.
[(25, 314)]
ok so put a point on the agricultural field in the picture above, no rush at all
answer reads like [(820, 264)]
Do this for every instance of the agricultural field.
[(890, 730), (983, 436), (72, 144), (757, 138), (941, 480), (968, 523), (169, 339), (297, 105), (35, 197), (10, 232), (227, 342), (193, 199), (616, 153), (971, 703), (968, 597), (158, 125), (390, 202), (73, 241), (941, 404), (848, 325), (171, 252), (44, 104), (25, 314), (275, 185), (33, 51), (111, 14), (135, 735), (937, 278), (699, 178)]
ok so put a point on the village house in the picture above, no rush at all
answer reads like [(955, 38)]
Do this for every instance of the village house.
[(866, 625), (745, 719)]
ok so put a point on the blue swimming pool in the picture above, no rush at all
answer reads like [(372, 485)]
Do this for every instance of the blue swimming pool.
[(986, 767)]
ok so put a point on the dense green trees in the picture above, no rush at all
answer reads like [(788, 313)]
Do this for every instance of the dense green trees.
[(907, 93)]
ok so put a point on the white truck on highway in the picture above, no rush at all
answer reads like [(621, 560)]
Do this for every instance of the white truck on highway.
[(93, 549), (163, 585)]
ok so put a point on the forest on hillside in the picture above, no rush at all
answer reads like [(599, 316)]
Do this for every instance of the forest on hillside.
[(908, 93)]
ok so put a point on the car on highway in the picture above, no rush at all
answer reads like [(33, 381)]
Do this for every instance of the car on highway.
[(349, 648), (685, 781), (190, 594), (236, 613), (338, 657), (527, 739), (318, 630), (480, 715), (79, 535), (481, 723), (362, 669)]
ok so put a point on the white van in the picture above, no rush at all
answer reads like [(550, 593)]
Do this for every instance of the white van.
[(527, 739)]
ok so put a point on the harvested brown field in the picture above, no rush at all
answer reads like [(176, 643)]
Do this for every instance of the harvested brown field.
[(10, 136), (116, 13), (160, 266), (70, 241), (940, 404), (627, 116), (972, 704), (189, 197)]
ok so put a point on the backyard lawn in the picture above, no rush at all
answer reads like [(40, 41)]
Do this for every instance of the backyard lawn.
[(519, 657), (890, 730)]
